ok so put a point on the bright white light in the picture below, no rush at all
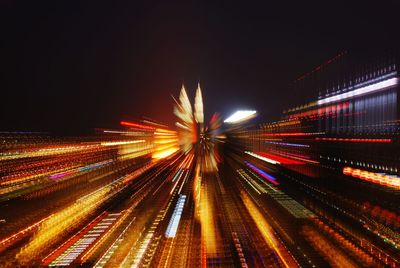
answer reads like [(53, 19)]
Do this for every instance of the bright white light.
[(176, 217), (112, 143), (361, 91), (263, 158), (240, 116)]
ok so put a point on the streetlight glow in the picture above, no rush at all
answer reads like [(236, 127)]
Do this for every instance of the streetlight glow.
[(240, 116)]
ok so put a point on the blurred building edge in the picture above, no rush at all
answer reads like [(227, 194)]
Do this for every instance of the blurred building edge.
[(352, 121)]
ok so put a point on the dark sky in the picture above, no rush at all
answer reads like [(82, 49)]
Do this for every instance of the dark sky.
[(74, 65)]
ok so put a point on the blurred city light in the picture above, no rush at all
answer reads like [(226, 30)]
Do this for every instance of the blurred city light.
[(317, 188), (240, 116)]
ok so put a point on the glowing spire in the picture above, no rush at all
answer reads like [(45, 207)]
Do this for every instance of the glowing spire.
[(198, 106), (184, 109)]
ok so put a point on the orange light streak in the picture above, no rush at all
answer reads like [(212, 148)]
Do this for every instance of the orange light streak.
[(382, 179)]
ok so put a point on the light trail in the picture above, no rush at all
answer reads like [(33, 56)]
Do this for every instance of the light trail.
[(83, 240), (267, 232), (176, 217)]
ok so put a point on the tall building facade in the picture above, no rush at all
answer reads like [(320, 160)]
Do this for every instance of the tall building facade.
[(350, 128)]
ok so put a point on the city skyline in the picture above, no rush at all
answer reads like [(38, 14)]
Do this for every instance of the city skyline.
[(199, 134)]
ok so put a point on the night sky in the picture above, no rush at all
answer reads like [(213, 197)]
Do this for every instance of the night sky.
[(69, 66)]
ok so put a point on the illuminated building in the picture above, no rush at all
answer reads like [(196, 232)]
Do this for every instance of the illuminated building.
[(352, 122), (191, 123)]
